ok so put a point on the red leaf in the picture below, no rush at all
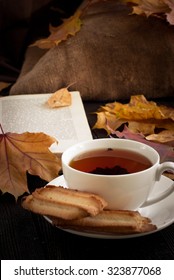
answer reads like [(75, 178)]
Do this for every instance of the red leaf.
[(166, 152)]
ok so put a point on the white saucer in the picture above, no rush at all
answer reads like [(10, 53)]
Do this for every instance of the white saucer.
[(160, 213)]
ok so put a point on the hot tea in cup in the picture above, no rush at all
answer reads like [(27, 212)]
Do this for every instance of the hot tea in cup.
[(122, 171), (110, 162)]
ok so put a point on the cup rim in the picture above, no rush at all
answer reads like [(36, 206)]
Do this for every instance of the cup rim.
[(67, 151)]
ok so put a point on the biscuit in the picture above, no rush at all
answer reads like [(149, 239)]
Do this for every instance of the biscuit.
[(63, 203), (109, 221)]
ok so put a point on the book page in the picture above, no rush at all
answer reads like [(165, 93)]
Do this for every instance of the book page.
[(30, 113)]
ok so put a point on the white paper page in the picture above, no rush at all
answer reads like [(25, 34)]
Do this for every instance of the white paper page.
[(29, 113)]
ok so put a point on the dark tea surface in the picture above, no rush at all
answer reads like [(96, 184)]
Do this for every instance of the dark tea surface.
[(110, 162)]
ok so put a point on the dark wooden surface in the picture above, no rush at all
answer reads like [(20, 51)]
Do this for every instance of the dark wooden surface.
[(24, 235)]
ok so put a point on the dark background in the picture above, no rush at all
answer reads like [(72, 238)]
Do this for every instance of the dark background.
[(21, 23)]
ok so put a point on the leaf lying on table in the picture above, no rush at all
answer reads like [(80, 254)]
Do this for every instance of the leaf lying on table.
[(141, 116), (143, 121), (166, 152), (26, 152), (139, 108), (163, 137)]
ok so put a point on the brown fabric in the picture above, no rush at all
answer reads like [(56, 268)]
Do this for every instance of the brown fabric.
[(114, 55)]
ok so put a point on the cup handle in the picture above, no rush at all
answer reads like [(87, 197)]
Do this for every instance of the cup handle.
[(164, 167), (161, 168)]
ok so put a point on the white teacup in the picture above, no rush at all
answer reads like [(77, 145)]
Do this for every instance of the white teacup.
[(126, 191)]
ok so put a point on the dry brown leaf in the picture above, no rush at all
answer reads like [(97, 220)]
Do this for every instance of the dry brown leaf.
[(162, 137), (105, 120), (142, 127), (148, 127), (26, 152), (60, 98), (166, 152), (167, 112), (141, 115), (69, 27), (137, 109), (58, 34), (163, 9)]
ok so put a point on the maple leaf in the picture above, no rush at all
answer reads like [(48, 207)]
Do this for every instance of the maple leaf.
[(105, 120), (69, 27), (166, 152), (26, 152), (141, 116), (149, 7), (153, 7), (139, 108), (58, 34)]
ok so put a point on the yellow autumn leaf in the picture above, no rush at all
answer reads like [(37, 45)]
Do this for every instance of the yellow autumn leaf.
[(26, 152), (107, 121), (58, 34), (69, 27), (140, 115), (137, 109), (167, 112)]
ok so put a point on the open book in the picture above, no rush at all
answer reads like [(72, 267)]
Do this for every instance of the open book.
[(29, 113)]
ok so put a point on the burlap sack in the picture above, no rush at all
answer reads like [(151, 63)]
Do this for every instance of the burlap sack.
[(114, 55)]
